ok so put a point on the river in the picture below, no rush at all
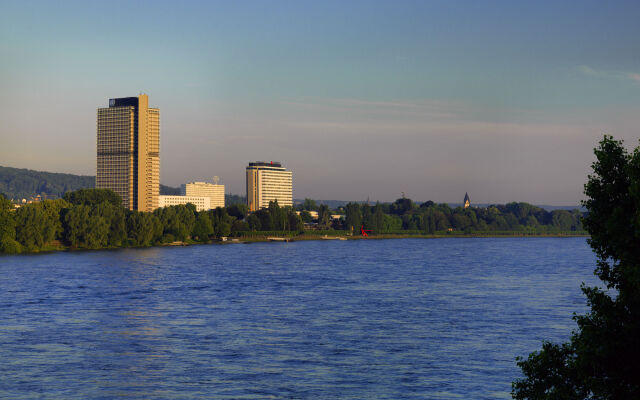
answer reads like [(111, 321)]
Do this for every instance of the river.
[(362, 319)]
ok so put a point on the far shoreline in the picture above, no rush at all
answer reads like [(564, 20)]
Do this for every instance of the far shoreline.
[(56, 248)]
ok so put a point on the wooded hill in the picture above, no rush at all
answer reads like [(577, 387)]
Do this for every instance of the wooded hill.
[(20, 183)]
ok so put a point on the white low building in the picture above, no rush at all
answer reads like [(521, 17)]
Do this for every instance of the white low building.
[(202, 203)]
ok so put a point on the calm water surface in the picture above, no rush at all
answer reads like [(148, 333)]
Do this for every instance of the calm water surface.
[(367, 319)]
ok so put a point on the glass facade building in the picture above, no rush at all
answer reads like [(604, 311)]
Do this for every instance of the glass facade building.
[(128, 151)]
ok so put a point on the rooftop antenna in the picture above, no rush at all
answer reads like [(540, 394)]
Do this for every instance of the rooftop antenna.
[(216, 179)]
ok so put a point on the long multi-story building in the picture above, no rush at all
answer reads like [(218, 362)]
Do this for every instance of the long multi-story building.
[(202, 203), (128, 156), (266, 182), (214, 191)]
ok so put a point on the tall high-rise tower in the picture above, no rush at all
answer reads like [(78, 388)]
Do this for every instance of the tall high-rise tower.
[(129, 151), (268, 182)]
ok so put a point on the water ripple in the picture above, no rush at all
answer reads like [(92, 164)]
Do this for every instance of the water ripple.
[(383, 319)]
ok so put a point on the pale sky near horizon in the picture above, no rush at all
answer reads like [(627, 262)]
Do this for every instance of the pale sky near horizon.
[(360, 99)]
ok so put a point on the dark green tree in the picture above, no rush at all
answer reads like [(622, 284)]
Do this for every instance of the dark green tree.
[(85, 228), (239, 226), (294, 220), (562, 220), (116, 219), (531, 222), (222, 222), (512, 221), (140, 228), (410, 222), (278, 216), (499, 223), (377, 219), (306, 216), (367, 217), (202, 228), (7, 221), (461, 221), (239, 211), (353, 218), (10, 246), (324, 217), (53, 210), (158, 230), (401, 206), (254, 222), (392, 223), (441, 220), (427, 204), (429, 221), (602, 359), (93, 197), (309, 205), (34, 227), (471, 214), (264, 217), (178, 221), (8, 243)]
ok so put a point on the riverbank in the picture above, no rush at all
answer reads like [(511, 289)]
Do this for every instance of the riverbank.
[(413, 236), (256, 237)]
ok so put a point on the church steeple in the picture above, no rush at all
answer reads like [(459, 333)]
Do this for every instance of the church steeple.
[(467, 200)]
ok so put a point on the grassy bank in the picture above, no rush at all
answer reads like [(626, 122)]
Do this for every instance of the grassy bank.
[(254, 237), (258, 237)]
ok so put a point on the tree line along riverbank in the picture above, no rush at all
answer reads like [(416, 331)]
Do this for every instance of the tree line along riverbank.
[(95, 219)]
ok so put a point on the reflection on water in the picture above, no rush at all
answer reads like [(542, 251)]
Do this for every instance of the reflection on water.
[(389, 319)]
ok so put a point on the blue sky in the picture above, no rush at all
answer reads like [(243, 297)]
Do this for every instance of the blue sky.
[(361, 99)]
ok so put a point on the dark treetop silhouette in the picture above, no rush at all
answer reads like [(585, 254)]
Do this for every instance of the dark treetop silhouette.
[(602, 359)]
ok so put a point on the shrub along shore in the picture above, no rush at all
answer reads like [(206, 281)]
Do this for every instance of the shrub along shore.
[(95, 219)]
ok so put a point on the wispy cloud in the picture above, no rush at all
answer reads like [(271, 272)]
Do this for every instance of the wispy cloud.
[(610, 74), (586, 70), (425, 115), (439, 109)]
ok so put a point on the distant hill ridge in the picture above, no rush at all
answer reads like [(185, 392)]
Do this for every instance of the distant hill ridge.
[(22, 183), (19, 183)]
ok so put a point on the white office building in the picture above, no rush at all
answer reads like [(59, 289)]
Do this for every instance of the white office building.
[(266, 182), (214, 191)]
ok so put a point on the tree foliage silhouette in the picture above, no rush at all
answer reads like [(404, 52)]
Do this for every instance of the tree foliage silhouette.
[(602, 359)]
